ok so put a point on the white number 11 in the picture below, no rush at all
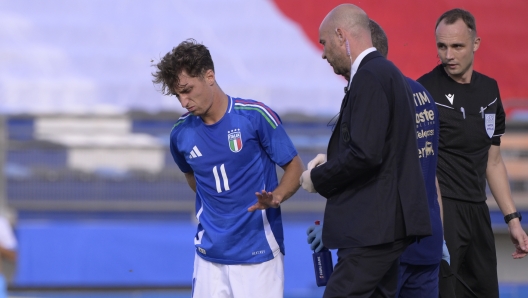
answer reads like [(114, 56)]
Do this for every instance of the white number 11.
[(217, 179)]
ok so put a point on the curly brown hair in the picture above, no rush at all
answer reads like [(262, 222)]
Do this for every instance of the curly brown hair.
[(189, 56)]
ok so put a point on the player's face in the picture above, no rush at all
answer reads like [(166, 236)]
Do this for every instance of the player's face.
[(456, 47), (332, 52), (196, 93)]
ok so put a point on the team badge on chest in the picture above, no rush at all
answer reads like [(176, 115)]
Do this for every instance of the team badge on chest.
[(235, 140)]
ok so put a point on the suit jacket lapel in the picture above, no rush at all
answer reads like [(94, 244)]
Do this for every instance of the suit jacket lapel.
[(366, 59), (344, 102)]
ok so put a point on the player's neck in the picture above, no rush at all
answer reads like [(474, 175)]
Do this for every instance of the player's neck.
[(218, 107), (464, 78)]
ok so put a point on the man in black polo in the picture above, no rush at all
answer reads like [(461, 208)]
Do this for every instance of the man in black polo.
[(472, 120)]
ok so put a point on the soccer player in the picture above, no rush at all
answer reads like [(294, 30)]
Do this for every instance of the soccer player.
[(228, 148), (419, 263), (471, 124), (8, 245), (371, 214)]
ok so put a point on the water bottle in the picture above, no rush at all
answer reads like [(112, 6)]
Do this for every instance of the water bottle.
[(323, 265)]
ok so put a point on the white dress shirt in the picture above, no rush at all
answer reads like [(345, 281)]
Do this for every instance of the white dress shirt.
[(356, 63)]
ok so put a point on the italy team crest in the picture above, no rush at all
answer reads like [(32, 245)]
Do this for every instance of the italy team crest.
[(235, 140)]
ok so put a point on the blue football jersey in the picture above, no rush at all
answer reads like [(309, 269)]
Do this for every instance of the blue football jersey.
[(232, 160), (429, 249)]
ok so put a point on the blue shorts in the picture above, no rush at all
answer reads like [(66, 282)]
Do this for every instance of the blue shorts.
[(418, 281)]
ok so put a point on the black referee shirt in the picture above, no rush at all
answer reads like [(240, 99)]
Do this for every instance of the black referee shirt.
[(471, 120)]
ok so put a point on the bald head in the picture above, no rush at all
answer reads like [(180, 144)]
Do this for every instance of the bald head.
[(347, 17), (344, 34)]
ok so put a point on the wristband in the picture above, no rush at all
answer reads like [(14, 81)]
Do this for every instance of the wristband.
[(511, 216)]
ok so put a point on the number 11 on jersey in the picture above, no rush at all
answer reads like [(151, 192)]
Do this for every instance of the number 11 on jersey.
[(224, 178)]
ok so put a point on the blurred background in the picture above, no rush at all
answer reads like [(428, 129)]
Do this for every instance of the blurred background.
[(98, 206)]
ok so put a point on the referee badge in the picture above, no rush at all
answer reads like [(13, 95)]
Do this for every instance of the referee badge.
[(489, 124), (235, 140)]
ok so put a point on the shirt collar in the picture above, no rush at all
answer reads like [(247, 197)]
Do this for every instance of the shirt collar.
[(356, 63), (230, 103)]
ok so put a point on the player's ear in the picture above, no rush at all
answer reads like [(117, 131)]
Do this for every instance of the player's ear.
[(476, 44), (209, 77)]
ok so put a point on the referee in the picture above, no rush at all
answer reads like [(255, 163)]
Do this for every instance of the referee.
[(472, 120)]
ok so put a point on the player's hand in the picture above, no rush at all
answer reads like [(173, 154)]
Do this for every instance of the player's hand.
[(306, 181), (445, 253), (315, 237), (265, 200), (519, 239), (317, 161)]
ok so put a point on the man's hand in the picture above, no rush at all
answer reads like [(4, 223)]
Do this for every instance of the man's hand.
[(518, 238), (265, 200), (315, 237), (306, 181), (317, 161), (445, 253)]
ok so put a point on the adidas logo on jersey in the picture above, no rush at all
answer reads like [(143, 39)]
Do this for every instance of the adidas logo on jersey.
[(195, 153), (450, 97)]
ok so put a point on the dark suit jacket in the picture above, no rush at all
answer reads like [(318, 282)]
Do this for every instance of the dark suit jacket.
[(373, 163)]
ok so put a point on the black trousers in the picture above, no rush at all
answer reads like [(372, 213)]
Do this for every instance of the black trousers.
[(471, 244), (366, 271)]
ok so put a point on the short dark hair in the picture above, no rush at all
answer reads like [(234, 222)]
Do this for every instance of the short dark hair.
[(189, 56), (453, 15), (379, 38)]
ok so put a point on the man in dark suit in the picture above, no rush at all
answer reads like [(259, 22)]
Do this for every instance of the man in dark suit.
[(372, 179)]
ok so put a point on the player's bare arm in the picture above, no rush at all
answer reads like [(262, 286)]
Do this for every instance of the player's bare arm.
[(8, 254), (500, 188), (288, 185), (189, 176)]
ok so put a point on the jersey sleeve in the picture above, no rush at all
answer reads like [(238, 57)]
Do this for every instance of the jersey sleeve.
[(177, 156), (273, 137), (500, 121)]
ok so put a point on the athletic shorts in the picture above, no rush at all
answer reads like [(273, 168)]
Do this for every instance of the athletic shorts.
[(262, 280)]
